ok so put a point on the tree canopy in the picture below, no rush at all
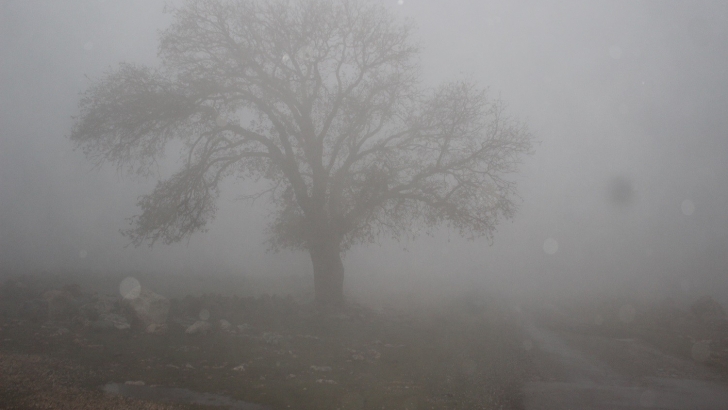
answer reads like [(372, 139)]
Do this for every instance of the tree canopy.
[(322, 99)]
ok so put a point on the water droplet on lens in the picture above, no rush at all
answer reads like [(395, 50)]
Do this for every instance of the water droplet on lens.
[(550, 246), (204, 314), (221, 121), (130, 288), (88, 46), (527, 345), (82, 254), (400, 2), (687, 207), (620, 191)]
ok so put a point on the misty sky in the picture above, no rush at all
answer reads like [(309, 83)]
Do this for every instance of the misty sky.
[(628, 101)]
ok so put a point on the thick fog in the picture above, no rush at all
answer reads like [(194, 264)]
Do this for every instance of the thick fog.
[(626, 189)]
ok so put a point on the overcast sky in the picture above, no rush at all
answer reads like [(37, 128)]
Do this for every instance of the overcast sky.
[(623, 97)]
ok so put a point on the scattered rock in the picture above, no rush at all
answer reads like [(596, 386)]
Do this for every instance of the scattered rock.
[(199, 327), (61, 304), (157, 329), (105, 304), (321, 368), (272, 338), (61, 331), (240, 368), (134, 383), (225, 325), (117, 321)]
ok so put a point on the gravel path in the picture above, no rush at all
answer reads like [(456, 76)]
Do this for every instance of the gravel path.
[(593, 372)]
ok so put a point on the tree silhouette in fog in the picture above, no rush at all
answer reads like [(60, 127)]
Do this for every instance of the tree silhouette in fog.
[(320, 98)]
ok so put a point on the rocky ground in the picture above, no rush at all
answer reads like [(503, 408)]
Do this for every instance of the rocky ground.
[(65, 346), (60, 344)]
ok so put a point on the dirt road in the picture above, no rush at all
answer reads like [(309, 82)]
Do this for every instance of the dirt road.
[(579, 371)]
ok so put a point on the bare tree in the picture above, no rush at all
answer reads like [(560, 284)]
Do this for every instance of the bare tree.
[(322, 99)]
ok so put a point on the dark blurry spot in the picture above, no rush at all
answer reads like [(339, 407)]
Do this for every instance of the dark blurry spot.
[(621, 191)]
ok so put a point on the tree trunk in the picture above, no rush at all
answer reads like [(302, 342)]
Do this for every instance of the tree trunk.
[(328, 273)]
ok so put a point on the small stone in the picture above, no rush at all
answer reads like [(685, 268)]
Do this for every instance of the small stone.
[(321, 368), (199, 327), (225, 325), (118, 321), (157, 329), (272, 338)]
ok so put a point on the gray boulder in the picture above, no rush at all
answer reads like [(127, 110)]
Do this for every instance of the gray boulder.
[(199, 327), (149, 308)]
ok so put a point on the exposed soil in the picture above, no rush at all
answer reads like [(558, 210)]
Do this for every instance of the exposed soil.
[(280, 353), (277, 352)]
